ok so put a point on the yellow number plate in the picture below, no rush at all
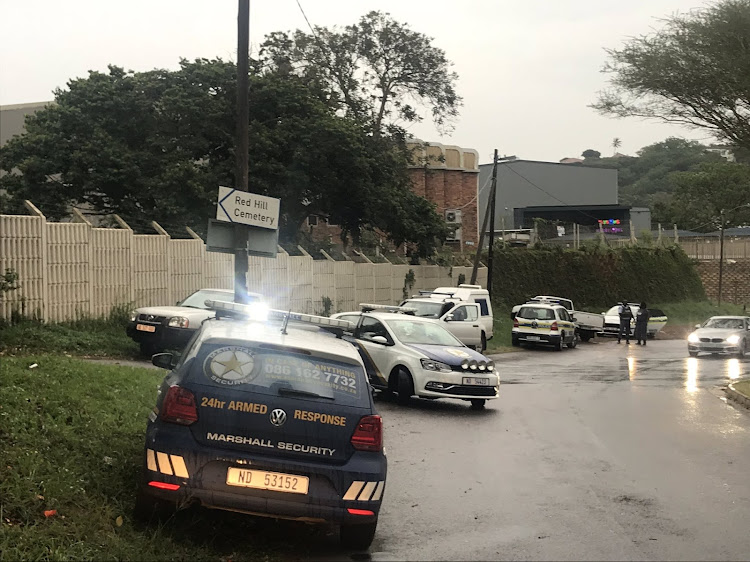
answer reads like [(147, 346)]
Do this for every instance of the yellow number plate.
[(145, 328), (268, 480)]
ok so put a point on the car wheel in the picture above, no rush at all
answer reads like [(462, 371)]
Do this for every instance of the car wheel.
[(358, 537), (693, 353), (743, 349), (484, 343), (558, 345), (585, 337), (405, 386), (148, 508), (148, 349), (574, 342), (478, 403), (514, 341)]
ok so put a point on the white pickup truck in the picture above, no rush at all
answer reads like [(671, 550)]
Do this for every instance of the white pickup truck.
[(589, 324)]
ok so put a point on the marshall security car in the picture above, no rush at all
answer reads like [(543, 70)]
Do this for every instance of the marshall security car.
[(412, 355), (268, 419)]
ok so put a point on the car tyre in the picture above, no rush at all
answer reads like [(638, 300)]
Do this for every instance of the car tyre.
[(358, 537), (574, 342), (484, 343), (585, 337), (558, 345), (148, 349), (478, 403), (404, 386), (148, 509), (693, 353), (514, 341), (742, 350)]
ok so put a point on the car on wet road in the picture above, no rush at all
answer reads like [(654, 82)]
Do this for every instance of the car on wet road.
[(726, 335)]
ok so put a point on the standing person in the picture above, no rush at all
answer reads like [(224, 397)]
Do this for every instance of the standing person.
[(641, 324), (626, 315)]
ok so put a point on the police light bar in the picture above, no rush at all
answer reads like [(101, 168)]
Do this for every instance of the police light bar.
[(436, 293), (367, 307), (259, 311)]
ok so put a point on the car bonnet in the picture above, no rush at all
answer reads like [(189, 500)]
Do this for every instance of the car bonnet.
[(451, 355)]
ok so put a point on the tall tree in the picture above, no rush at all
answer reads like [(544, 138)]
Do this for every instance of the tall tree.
[(692, 71), (156, 145), (378, 67), (591, 153), (616, 143)]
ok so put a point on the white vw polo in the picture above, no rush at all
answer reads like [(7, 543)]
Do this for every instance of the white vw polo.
[(417, 356)]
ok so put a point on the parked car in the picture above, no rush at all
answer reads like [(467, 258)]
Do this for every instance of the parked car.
[(272, 418), (588, 323), (656, 322), (417, 356), (727, 335), (156, 328), (544, 323), (449, 297), (460, 318)]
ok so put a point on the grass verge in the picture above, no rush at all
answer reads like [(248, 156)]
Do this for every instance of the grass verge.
[(71, 440), (743, 387), (90, 338), (502, 325)]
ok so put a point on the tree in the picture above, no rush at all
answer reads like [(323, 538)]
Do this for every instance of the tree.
[(714, 196), (376, 68), (616, 143), (692, 71), (156, 145), (591, 153)]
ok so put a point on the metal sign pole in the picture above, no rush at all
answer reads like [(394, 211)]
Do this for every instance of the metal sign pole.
[(242, 151)]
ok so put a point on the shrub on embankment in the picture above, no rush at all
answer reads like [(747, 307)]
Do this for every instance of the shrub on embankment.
[(595, 278)]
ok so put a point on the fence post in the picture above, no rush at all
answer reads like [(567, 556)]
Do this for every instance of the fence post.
[(131, 265), (43, 249), (78, 217), (170, 285)]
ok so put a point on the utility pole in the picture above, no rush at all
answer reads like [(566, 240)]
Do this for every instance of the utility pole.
[(242, 151), (721, 253), (490, 250), (484, 227)]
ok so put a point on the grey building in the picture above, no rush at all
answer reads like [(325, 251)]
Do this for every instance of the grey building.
[(12, 118), (528, 183)]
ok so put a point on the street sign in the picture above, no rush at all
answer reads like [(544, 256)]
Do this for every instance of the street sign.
[(248, 208), (257, 241)]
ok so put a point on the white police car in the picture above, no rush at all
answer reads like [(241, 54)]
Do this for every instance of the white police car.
[(417, 356), (544, 323), (269, 419)]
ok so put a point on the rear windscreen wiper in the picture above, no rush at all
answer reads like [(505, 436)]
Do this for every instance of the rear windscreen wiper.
[(295, 392)]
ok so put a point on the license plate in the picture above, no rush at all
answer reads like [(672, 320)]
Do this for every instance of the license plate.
[(263, 480), (533, 338), (145, 328), (478, 381)]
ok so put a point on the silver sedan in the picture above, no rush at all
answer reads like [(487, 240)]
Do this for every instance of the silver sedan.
[(727, 335)]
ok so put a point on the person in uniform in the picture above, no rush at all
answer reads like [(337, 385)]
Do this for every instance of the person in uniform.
[(641, 324), (626, 315)]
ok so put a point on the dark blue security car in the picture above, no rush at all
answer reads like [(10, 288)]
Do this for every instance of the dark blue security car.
[(268, 419)]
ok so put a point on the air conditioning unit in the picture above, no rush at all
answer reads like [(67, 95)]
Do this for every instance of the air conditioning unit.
[(453, 218)]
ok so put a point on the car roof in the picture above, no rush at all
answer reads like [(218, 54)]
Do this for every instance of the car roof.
[(300, 336), (541, 305), (729, 317), (398, 316)]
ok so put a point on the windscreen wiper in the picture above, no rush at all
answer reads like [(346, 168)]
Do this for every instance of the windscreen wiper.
[(285, 390)]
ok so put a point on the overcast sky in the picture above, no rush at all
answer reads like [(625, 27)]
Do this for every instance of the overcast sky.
[(527, 68)]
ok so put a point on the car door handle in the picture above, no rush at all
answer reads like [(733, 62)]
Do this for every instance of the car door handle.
[(475, 326)]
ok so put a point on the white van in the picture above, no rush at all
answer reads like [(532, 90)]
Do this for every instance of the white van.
[(462, 293)]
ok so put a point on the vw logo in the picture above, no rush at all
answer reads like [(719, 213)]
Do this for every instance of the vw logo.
[(278, 417), (535, 324)]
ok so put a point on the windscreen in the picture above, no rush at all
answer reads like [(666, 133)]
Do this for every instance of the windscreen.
[(199, 298), (280, 373), (725, 323), (531, 313), (425, 309), (411, 332)]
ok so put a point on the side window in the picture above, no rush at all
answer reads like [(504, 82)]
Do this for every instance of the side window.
[(460, 313), (472, 313), (370, 327), (353, 318), (563, 314), (484, 309)]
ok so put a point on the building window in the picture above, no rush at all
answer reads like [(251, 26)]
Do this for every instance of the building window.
[(312, 220)]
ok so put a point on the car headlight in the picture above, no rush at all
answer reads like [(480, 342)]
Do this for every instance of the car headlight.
[(490, 365), (465, 364), (473, 365), (133, 315), (693, 338), (178, 322), (430, 365), (734, 340)]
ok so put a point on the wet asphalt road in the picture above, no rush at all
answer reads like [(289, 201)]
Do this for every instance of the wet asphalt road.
[(605, 452)]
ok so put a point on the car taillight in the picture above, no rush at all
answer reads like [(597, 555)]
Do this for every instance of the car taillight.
[(369, 434), (553, 327), (179, 406), (515, 322)]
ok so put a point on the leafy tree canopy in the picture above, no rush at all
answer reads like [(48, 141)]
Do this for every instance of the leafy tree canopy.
[(692, 71), (156, 145), (713, 196), (591, 153), (381, 71)]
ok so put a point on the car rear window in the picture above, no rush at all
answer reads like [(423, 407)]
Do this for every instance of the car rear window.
[(532, 313), (271, 371)]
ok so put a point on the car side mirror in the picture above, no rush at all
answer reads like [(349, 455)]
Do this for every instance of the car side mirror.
[(163, 360), (697, 325), (379, 339), (448, 318)]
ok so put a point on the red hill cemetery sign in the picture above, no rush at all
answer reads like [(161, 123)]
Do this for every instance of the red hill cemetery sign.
[(258, 214)]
